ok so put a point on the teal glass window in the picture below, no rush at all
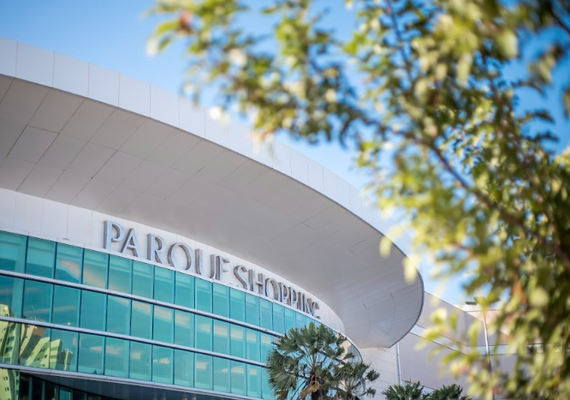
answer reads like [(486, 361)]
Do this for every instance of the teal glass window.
[(237, 341), (266, 346), (93, 310), (91, 350), (68, 263), (299, 320), (279, 318), (95, 269), (162, 364), (183, 368), (37, 300), (120, 270), (289, 319), (164, 285), (203, 295), (221, 375), (221, 300), (142, 279), (184, 290), (12, 251), (65, 306), (237, 305), (237, 378), (35, 352), (117, 357), (11, 290), (163, 324), (266, 390), (266, 314), (253, 345), (141, 320), (253, 381), (203, 372), (140, 361), (221, 337), (203, 332), (252, 309), (183, 328), (41, 257), (63, 345), (118, 315)]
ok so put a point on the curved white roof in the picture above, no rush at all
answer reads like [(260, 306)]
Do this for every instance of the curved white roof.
[(80, 134)]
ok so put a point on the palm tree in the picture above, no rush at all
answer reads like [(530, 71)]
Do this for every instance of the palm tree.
[(313, 363), (451, 392), (408, 391)]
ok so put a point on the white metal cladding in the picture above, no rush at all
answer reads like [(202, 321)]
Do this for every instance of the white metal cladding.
[(79, 134)]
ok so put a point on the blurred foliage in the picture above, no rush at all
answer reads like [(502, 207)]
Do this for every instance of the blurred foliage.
[(426, 91)]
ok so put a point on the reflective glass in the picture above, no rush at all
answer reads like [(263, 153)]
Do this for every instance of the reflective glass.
[(237, 305), (279, 318), (253, 347), (93, 310), (203, 295), (118, 315), (183, 328), (164, 285), (12, 251), (252, 309), (237, 377), (163, 326), (183, 368), (11, 290), (91, 350), (184, 290), (69, 261), (65, 306), (221, 375), (41, 257), (266, 314), (142, 279), (203, 372), (266, 390), (253, 381), (95, 268), (11, 342), (221, 300), (203, 332), (299, 320), (141, 322), (266, 346), (120, 274), (221, 337), (140, 361), (37, 301), (117, 357), (162, 364), (237, 341), (35, 346), (289, 319), (63, 350)]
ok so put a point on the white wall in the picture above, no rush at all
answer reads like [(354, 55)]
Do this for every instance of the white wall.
[(385, 362)]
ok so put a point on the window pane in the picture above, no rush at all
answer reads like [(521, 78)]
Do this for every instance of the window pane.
[(65, 306), (289, 319), (35, 346), (91, 353), (37, 300), (253, 345), (184, 290), (11, 342), (237, 305), (95, 269), (140, 356), (221, 375), (252, 309), (299, 320), (117, 357), (164, 285), (118, 315), (163, 324), (68, 264), (93, 310), (162, 364), (266, 314), (11, 290), (12, 251), (203, 295), (63, 350), (203, 372), (253, 381), (221, 337), (120, 274), (266, 346), (142, 279), (203, 332), (183, 328), (266, 390), (183, 368), (141, 323), (278, 318), (237, 341), (221, 300), (238, 377), (41, 257)]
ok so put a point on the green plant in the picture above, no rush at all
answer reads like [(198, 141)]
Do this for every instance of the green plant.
[(451, 392), (408, 391)]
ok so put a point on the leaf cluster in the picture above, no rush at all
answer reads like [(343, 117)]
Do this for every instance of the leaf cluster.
[(415, 391)]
